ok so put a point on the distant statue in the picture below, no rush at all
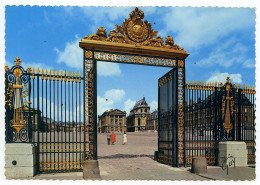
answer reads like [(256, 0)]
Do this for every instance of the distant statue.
[(113, 138), (124, 139)]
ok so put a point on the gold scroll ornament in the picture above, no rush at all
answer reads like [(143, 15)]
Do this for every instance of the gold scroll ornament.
[(227, 108), (15, 90)]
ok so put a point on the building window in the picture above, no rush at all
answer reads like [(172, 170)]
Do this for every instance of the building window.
[(145, 110)]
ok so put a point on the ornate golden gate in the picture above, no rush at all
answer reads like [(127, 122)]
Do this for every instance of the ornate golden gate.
[(135, 42)]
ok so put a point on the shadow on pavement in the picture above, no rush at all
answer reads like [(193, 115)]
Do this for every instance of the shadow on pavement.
[(124, 156)]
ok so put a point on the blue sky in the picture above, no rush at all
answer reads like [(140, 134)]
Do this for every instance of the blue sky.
[(221, 42)]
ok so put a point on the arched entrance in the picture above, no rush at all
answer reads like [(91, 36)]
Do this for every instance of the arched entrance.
[(135, 42)]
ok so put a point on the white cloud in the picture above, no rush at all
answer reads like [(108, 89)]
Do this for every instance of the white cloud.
[(196, 27), (72, 54), (128, 105), (115, 94), (153, 105), (221, 77), (249, 63), (109, 99), (104, 14), (108, 69), (103, 105), (226, 54), (72, 57)]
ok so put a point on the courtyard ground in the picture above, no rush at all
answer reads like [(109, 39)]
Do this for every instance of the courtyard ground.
[(134, 161)]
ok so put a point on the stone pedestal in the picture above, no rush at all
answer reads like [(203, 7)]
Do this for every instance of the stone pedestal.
[(228, 150), (199, 165), (91, 170), (19, 160)]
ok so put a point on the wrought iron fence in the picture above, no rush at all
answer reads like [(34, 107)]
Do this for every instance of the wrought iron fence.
[(213, 112), (46, 108), (218, 112)]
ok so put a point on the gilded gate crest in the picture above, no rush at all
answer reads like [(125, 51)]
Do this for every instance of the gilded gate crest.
[(135, 31)]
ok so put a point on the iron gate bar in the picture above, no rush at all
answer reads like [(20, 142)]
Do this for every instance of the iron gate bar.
[(184, 114), (176, 115)]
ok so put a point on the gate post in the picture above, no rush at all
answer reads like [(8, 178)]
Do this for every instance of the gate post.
[(90, 166), (94, 107), (180, 110)]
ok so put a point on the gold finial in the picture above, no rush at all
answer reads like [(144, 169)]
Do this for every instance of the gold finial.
[(79, 77), (50, 75), (79, 74), (42, 74), (228, 79), (216, 84), (58, 78), (68, 76), (72, 77), (253, 87), (33, 71), (29, 70), (239, 86), (192, 82), (53, 72), (61, 73), (17, 61), (38, 70), (46, 73), (65, 76), (76, 75)]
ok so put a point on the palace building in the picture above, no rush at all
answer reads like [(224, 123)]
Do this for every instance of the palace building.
[(152, 121), (112, 121), (136, 120)]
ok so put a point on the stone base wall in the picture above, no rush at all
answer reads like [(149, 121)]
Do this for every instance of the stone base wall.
[(19, 160), (228, 150)]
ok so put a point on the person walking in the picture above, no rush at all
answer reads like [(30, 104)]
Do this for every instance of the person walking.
[(108, 138), (124, 139), (113, 138)]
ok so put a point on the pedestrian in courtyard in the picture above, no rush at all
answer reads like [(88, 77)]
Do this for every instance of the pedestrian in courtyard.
[(108, 138), (124, 139), (113, 138)]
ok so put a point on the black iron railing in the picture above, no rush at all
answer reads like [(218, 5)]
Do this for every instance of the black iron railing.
[(46, 108)]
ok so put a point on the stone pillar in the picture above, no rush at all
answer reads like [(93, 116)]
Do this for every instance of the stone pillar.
[(228, 150), (19, 160), (199, 165), (91, 170)]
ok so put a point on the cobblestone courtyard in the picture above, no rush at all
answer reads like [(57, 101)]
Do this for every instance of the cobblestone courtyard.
[(135, 160)]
